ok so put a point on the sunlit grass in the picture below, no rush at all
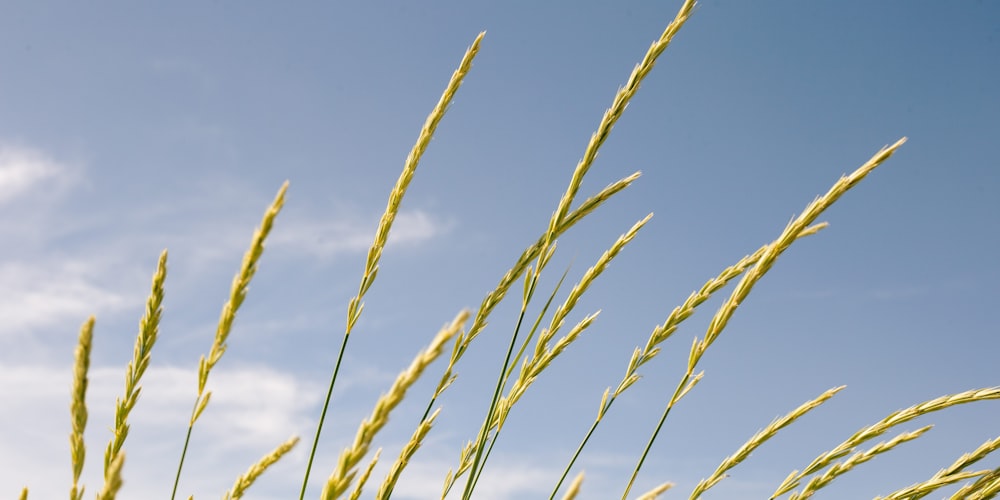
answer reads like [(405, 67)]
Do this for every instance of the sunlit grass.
[(534, 343)]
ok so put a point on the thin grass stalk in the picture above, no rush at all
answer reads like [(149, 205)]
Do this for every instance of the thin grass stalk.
[(247, 478), (881, 427), (356, 304), (758, 439), (141, 354), (495, 296), (237, 294), (78, 408), (944, 476), (545, 352), (840, 468), (660, 334), (793, 231), (345, 471), (563, 218), (411, 447), (363, 478), (510, 362), (113, 482)]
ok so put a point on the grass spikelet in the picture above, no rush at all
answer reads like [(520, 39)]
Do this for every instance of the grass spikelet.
[(356, 304), (237, 294), (24, 493), (148, 330), (562, 219), (655, 493), (758, 439), (952, 474), (411, 447), (78, 408), (363, 478), (882, 426), (345, 471), (613, 113), (113, 479), (574, 487), (853, 461), (793, 231), (247, 479), (544, 352), (986, 486), (495, 296), (660, 334)]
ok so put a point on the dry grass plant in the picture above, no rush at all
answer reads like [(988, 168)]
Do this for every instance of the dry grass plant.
[(527, 362)]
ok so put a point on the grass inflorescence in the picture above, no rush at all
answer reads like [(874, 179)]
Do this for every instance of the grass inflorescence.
[(535, 343)]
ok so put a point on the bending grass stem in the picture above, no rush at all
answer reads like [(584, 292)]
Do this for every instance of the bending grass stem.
[(356, 305)]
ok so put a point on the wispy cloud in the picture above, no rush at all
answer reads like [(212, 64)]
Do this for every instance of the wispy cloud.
[(36, 295), (252, 410), (22, 169), (328, 239)]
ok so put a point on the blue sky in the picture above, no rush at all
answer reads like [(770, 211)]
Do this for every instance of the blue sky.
[(126, 129)]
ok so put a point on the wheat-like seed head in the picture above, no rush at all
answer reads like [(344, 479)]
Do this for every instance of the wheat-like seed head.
[(758, 439), (113, 479), (953, 473), (882, 426), (411, 447), (986, 486), (791, 233), (858, 458), (78, 408), (574, 487), (345, 471), (148, 330), (237, 294), (363, 478), (247, 479), (356, 305), (655, 493)]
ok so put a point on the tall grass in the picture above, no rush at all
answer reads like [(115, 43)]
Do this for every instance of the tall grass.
[(534, 343)]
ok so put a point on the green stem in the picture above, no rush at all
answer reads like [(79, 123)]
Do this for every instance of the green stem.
[(322, 417), (177, 479)]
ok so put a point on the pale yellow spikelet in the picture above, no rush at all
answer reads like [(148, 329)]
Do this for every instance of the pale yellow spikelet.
[(78, 408), (574, 487), (113, 479), (838, 469), (792, 232), (148, 330), (24, 493), (411, 447), (615, 112), (495, 296), (882, 426), (952, 474), (356, 305), (655, 493), (758, 439), (980, 485), (363, 478), (345, 471), (237, 294), (247, 479)]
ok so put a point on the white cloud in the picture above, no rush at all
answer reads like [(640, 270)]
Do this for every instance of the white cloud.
[(327, 239), (252, 410), (23, 169), (34, 295)]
